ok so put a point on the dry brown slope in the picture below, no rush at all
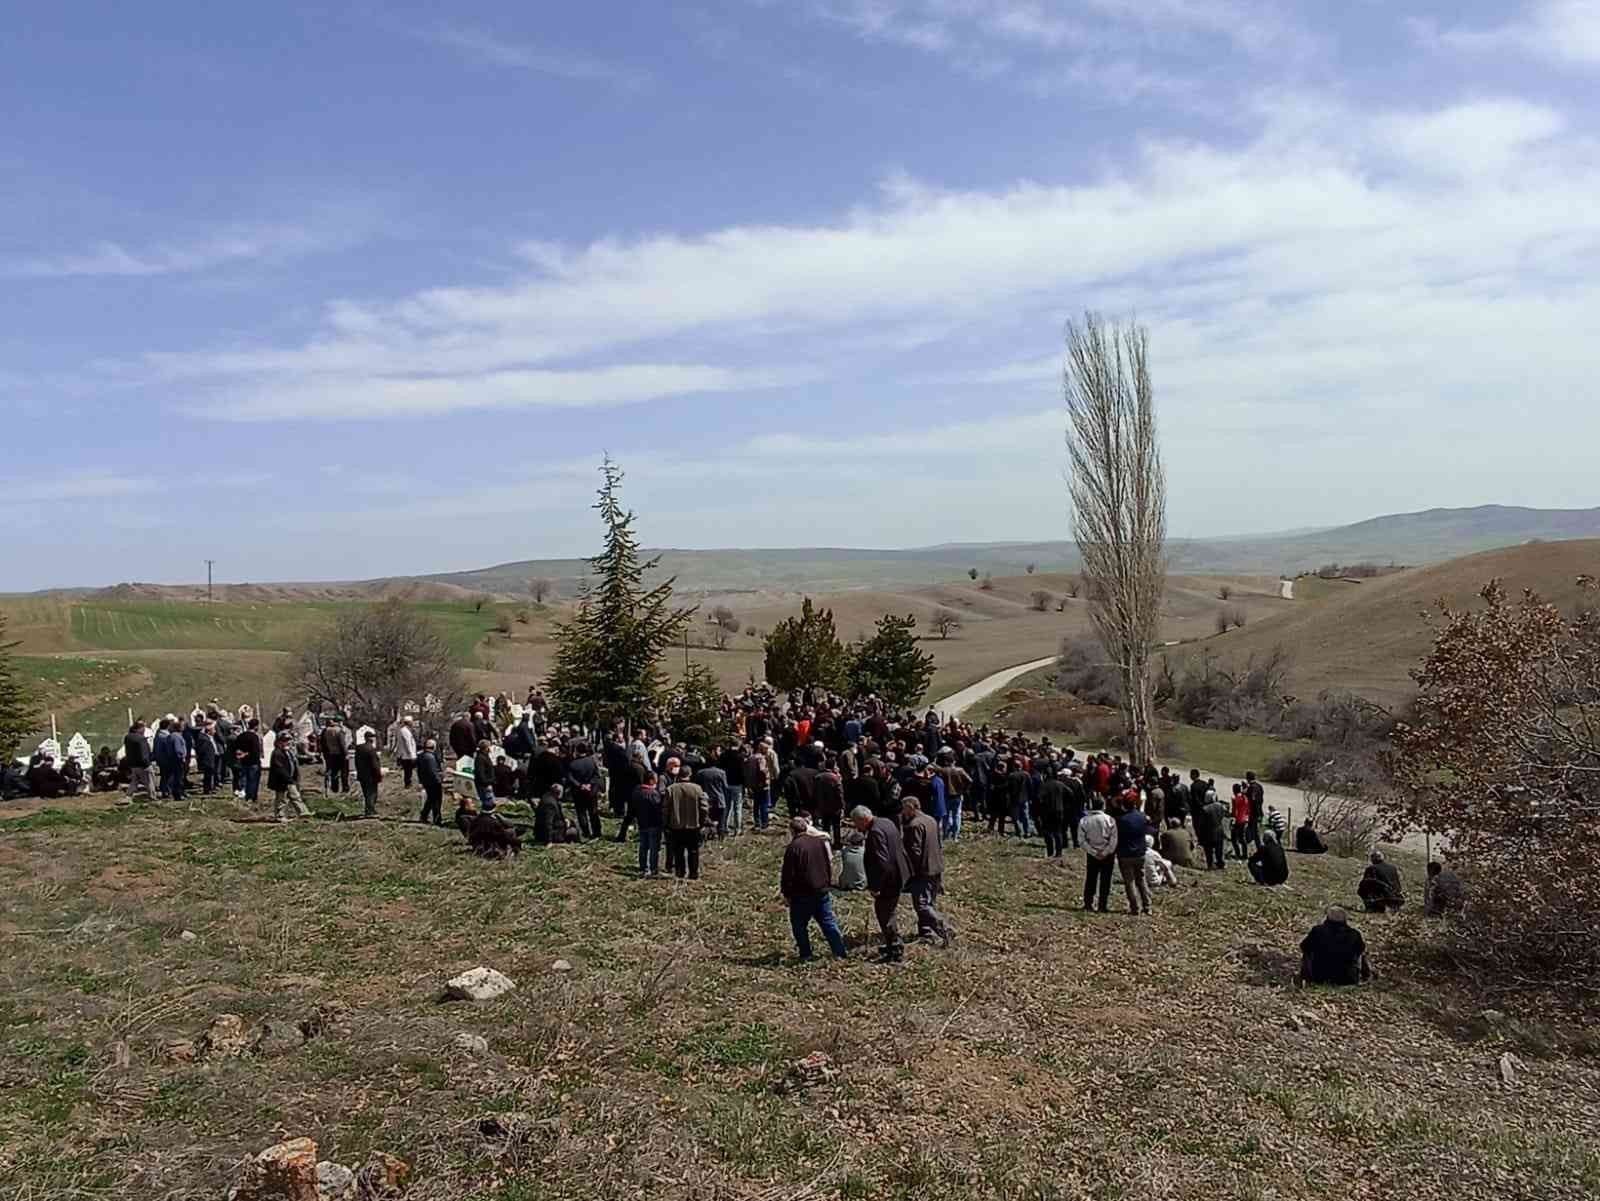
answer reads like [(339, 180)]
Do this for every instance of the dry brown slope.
[(1368, 639)]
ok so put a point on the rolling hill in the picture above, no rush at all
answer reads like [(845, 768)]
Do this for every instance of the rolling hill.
[(1431, 536), (1367, 636)]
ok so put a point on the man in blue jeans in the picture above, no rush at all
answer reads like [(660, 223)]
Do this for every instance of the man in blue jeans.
[(806, 884)]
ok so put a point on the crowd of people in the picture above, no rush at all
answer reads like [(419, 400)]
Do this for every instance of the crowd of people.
[(879, 790)]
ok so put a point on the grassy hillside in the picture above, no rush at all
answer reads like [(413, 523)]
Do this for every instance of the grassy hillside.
[(1170, 1049), (1432, 536), (1367, 637)]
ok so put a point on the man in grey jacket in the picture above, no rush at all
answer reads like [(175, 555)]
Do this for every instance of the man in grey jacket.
[(925, 856)]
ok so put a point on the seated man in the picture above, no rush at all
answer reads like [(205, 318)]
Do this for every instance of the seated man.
[(550, 825), (72, 776), (1175, 847), (105, 771), (853, 863), (1444, 892), (1267, 864), (1157, 869), (1334, 952), (45, 780), (1308, 842), (1380, 889)]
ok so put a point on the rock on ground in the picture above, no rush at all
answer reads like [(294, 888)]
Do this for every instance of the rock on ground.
[(814, 1069), (224, 1038), (480, 984), (284, 1172), (335, 1182), (383, 1175), (472, 1044), (278, 1037)]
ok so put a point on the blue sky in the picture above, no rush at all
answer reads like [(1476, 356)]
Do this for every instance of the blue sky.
[(342, 290)]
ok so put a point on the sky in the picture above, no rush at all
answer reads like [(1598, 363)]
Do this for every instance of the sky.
[(342, 290)]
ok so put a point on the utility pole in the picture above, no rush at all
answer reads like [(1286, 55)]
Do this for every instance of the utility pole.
[(209, 562)]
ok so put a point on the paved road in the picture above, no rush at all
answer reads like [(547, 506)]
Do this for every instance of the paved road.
[(959, 702), (1287, 799)]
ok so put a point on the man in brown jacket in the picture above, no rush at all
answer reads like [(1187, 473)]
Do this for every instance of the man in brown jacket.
[(925, 856), (685, 813), (806, 884), (887, 873)]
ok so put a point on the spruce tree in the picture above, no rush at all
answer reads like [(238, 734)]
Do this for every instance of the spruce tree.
[(16, 703), (805, 651), (608, 656), (889, 664)]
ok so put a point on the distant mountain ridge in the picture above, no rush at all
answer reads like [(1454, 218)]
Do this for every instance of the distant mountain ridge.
[(1425, 537)]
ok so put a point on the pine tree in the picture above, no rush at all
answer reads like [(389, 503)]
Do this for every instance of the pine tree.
[(694, 707), (889, 665), (16, 703), (805, 651), (608, 657)]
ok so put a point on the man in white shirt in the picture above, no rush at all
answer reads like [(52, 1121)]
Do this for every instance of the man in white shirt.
[(405, 749), (1098, 833), (1157, 871)]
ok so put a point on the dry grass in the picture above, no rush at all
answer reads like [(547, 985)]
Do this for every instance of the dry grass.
[(1367, 637), (1051, 1054)]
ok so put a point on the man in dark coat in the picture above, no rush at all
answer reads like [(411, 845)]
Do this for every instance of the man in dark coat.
[(369, 773), (1053, 816), (1267, 864), (431, 777), (1380, 889), (549, 819), (806, 883), (136, 758), (1334, 952), (800, 786), (582, 788), (283, 780), (462, 740), (925, 858), (887, 874), (335, 746)]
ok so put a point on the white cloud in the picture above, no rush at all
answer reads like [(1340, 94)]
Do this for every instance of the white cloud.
[(1480, 138), (1560, 31), (332, 397), (235, 245), (87, 485), (479, 46)]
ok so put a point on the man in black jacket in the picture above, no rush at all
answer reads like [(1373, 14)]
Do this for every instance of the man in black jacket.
[(1268, 864), (1053, 816), (136, 758), (887, 873), (431, 778), (283, 779), (334, 743), (806, 883), (369, 773), (247, 751), (583, 790)]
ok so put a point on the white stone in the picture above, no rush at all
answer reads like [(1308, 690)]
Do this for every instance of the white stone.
[(472, 1044), (480, 984), (560, 965), (188, 936), (335, 1182)]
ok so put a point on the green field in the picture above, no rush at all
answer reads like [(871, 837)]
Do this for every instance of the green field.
[(156, 656)]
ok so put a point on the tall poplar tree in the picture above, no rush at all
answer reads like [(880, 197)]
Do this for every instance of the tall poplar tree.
[(608, 656), (16, 703)]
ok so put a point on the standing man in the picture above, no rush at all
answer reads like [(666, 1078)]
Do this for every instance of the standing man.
[(369, 774), (136, 755), (685, 813), (583, 787), (247, 752), (758, 783), (206, 757), (806, 884), (405, 750), (1099, 833), (1258, 799), (431, 777), (172, 756), (335, 744), (283, 778), (887, 873), (714, 783), (646, 804), (732, 764), (1132, 826), (925, 857), (1053, 815)]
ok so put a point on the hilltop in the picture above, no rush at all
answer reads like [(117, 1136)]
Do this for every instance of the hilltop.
[(1366, 636), (1431, 536)]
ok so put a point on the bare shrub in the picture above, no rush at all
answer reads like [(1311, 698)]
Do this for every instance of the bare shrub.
[(1222, 621), (724, 625), (502, 624), (1224, 592), (944, 621), (1238, 617), (987, 583), (1074, 587), (373, 660), (1040, 600), (540, 588), (972, 573), (1031, 568), (1340, 799)]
